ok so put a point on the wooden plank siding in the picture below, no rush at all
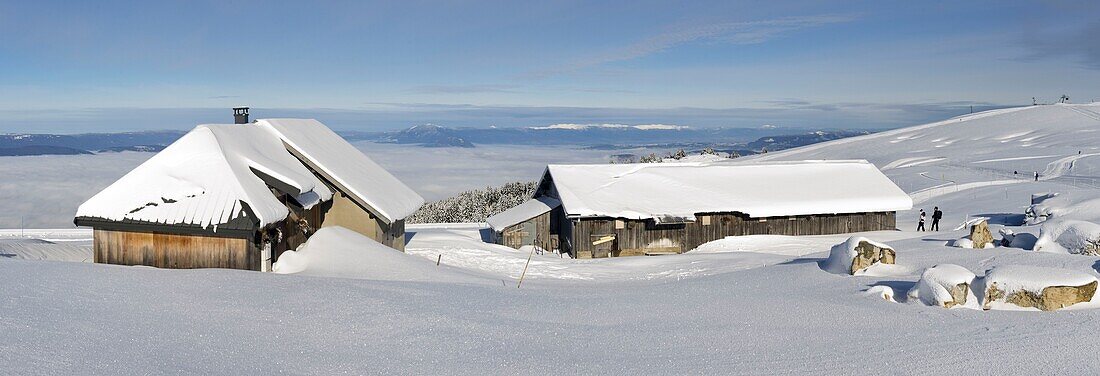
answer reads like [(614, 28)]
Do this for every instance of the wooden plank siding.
[(517, 235), (639, 237), (174, 251)]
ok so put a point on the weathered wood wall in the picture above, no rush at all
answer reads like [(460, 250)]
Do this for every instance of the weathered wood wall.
[(532, 231), (639, 237), (345, 212), (297, 228), (174, 251)]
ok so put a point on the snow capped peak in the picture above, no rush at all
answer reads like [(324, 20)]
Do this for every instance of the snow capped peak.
[(660, 126)]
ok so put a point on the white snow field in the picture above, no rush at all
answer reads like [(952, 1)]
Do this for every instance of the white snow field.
[(740, 305)]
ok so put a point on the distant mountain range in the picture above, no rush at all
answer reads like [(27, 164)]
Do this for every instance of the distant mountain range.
[(610, 136), (594, 136), (87, 143)]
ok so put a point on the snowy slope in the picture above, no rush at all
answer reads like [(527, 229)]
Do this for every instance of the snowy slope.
[(740, 305), (957, 160)]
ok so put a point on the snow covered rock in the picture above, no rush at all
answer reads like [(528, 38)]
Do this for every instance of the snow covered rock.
[(945, 285), (1069, 236), (980, 235), (884, 292), (856, 255), (1047, 289)]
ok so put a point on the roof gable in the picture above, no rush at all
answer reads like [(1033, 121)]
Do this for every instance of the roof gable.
[(353, 173), (206, 178), (529, 209)]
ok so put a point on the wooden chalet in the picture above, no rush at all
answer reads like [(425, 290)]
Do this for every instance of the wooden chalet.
[(237, 195), (665, 208)]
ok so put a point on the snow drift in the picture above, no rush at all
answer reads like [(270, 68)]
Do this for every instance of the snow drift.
[(1069, 236), (339, 252)]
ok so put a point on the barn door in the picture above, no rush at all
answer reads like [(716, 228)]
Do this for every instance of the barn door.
[(604, 245)]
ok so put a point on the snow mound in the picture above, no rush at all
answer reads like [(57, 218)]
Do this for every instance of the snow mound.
[(1021, 240), (1069, 236), (884, 292), (1038, 287), (339, 252), (847, 258), (945, 285), (965, 242)]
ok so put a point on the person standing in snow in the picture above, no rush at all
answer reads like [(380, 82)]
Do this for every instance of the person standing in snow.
[(1036, 175), (920, 225), (936, 215)]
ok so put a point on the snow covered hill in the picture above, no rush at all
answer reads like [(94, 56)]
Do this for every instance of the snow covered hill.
[(740, 305), (979, 154)]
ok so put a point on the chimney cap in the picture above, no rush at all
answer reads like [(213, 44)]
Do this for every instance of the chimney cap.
[(240, 115)]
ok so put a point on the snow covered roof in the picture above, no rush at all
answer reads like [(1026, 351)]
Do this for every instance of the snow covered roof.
[(209, 177), (680, 190), (345, 166), (529, 209)]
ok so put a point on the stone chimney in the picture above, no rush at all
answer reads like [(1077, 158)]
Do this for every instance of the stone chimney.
[(240, 115)]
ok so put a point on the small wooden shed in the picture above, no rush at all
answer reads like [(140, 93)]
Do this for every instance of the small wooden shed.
[(526, 224), (660, 208), (236, 196)]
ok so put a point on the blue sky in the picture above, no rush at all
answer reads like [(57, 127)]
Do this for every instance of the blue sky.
[(116, 66)]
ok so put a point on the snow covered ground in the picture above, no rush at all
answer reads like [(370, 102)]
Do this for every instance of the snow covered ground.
[(746, 305)]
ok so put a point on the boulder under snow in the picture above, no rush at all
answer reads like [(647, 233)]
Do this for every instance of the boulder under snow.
[(1069, 236), (1047, 289), (980, 237), (945, 285), (856, 255)]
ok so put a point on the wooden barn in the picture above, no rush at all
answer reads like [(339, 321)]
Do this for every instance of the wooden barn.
[(237, 195), (665, 208), (526, 224)]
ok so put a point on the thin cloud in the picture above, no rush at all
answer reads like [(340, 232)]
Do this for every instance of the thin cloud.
[(1078, 43), (463, 89), (737, 33)]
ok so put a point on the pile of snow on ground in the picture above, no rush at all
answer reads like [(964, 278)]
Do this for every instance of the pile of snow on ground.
[(1069, 236), (339, 252)]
